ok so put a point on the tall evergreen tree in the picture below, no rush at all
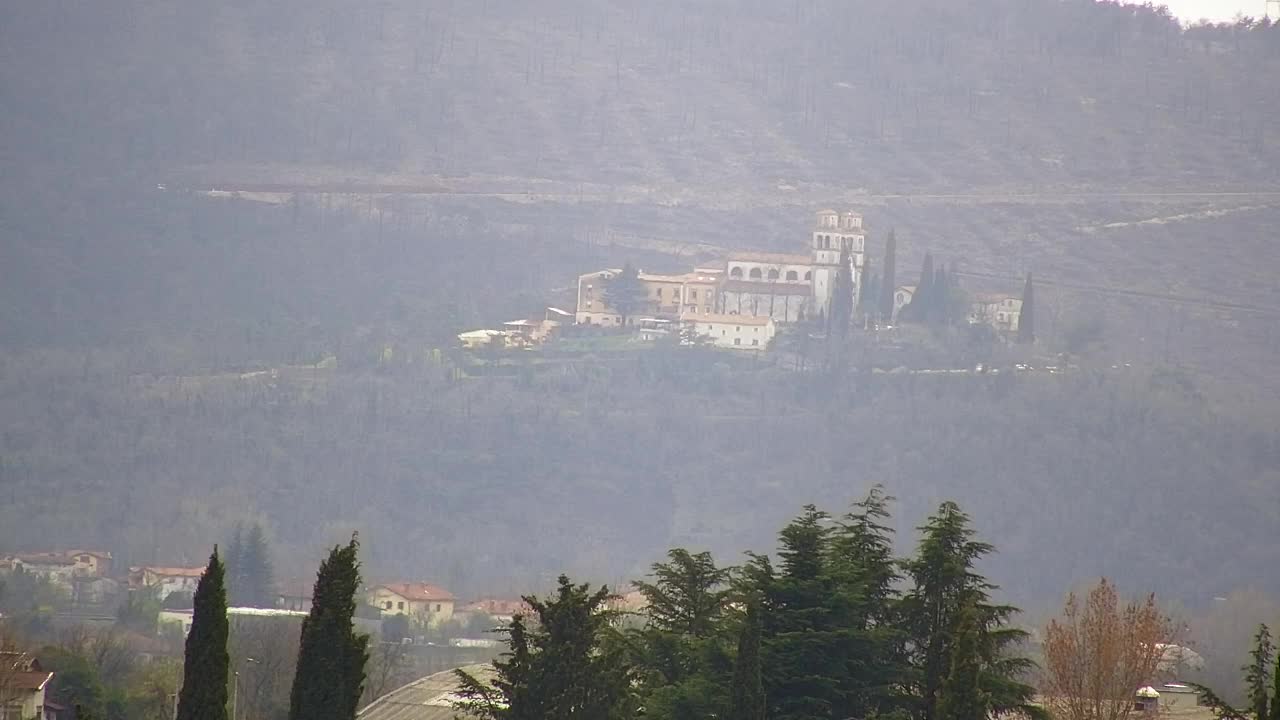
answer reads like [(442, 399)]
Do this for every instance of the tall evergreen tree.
[(683, 645), (331, 656), (865, 296), (233, 561), (865, 599), (800, 630), (256, 572), (962, 696), (625, 294), (1275, 690), (920, 307), (564, 667), (1027, 315), (747, 696), (841, 314), (1257, 674), (205, 669), (943, 582), (941, 301), (887, 278)]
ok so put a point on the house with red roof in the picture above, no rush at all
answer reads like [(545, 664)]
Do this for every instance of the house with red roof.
[(22, 694), (424, 602)]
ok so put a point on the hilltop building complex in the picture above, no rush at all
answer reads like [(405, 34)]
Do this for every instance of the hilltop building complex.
[(782, 287)]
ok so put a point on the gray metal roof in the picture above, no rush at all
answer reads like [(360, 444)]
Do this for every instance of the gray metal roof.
[(428, 698)]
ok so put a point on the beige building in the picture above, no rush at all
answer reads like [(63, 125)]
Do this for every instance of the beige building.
[(666, 296), (428, 603), (736, 332), (170, 580), (1000, 311), (787, 287), (902, 297), (22, 688)]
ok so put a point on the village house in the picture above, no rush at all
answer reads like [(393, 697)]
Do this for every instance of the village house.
[(22, 688), (1000, 311), (427, 603), (500, 610), (787, 287), (735, 332), (168, 580)]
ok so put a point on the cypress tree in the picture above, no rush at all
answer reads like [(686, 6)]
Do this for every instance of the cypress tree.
[(206, 665), (1027, 314), (234, 564), (918, 310), (1257, 672), (257, 581), (941, 301), (887, 278), (961, 696), (864, 308), (331, 656), (747, 700)]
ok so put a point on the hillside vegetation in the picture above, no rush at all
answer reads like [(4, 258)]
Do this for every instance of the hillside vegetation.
[(139, 326)]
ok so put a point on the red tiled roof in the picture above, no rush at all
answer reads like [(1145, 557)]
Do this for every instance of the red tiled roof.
[(418, 591), (493, 606), (768, 288), (28, 680), (775, 258), (174, 571), (46, 558)]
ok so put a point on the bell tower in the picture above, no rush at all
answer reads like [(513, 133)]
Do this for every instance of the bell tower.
[(834, 233)]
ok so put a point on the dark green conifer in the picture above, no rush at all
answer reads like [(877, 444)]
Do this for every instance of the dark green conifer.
[(1275, 690), (920, 307), (206, 664), (565, 666), (747, 699), (257, 587), (625, 294), (1257, 674), (1027, 315), (943, 582), (331, 655), (962, 696), (888, 279)]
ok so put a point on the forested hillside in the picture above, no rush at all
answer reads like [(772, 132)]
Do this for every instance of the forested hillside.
[(139, 325), (730, 95)]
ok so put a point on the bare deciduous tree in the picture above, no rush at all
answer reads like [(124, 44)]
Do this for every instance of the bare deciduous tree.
[(1097, 654)]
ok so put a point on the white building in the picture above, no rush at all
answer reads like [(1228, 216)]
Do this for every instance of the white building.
[(787, 287), (1000, 311), (736, 332)]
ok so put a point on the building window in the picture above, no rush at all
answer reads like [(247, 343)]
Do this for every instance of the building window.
[(737, 341), (659, 292), (773, 274), (693, 296), (400, 605), (755, 274), (808, 275), (792, 275), (735, 272), (437, 607), (755, 342), (386, 605)]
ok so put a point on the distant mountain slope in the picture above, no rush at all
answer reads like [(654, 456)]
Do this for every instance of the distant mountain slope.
[(877, 94)]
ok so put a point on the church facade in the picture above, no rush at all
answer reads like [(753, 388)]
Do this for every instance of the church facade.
[(784, 287)]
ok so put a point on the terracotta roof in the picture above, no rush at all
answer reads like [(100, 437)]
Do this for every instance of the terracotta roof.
[(28, 680), (174, 571), (493, 606), (418, 591), (776, 258), (764, 287), (49, 558), (991, 298), (728, 319)]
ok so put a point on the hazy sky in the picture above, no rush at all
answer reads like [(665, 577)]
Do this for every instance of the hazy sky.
[(1215, 9)]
